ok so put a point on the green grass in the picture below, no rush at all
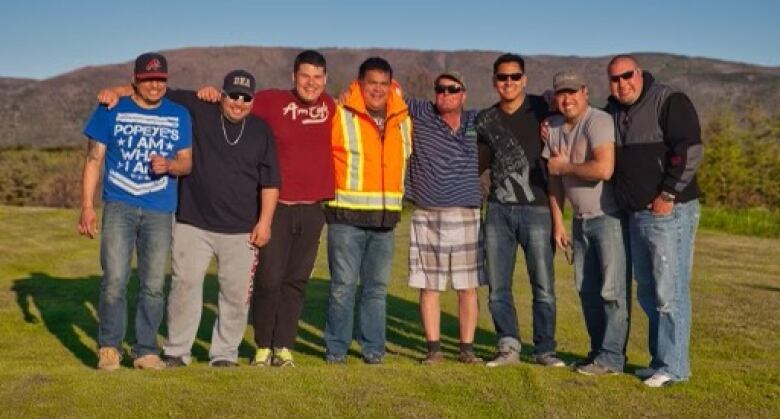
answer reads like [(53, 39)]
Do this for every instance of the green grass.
[(49, 279), (751, 222)]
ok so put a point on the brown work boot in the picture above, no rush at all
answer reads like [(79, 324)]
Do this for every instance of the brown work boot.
[(108, 359), (149, 362), (469, 357), (434, 357)]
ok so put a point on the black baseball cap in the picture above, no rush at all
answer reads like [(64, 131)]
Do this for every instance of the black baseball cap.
[(151, 65), (239, 81)]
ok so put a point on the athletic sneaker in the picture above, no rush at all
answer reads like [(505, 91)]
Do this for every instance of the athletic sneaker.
[(502, 358), (373, 359), (149, 362), (596, 368), (469, 357), (108, 359), (335, 359), (659, 379), (550, 360), (262, 357), (282, 358), (435, 357), (644, 373)]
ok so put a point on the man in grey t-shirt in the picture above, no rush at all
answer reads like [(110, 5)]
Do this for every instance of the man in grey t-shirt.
[(581, 158)]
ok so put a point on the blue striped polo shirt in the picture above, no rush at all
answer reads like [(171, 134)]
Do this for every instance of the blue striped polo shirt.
[(443, 168)]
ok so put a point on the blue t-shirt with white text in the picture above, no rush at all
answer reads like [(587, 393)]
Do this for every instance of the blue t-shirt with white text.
[(132, 135)]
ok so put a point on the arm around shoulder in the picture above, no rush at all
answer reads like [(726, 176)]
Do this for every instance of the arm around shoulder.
[(110, 96)]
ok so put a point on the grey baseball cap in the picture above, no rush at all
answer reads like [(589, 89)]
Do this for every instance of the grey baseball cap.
[(452, 75), (567, 80)]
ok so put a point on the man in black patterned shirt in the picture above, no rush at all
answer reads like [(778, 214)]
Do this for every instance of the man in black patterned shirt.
[(518, 211)]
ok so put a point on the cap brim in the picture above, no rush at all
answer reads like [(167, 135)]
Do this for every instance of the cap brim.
[(570, 87), (449, 76), (243, 91), (146, 76)]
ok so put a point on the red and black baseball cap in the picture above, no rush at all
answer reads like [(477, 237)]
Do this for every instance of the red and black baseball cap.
[(151, 66)]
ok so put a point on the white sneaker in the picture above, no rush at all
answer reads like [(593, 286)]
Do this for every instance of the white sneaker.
[(644, 373), (659, 379), (504, 358)]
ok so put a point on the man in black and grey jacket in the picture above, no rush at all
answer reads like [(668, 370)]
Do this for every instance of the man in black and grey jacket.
[(658, 150)]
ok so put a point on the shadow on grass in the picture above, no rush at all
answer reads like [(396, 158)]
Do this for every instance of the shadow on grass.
[(405, 335), (68, 309), (404, 330), (762, 287)]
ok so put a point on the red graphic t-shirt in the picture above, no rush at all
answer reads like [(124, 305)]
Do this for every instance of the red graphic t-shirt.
[(302, 132)]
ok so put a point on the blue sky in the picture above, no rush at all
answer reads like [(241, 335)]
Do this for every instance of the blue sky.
[(43, 38)]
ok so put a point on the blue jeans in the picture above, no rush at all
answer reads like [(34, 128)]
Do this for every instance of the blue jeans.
[(364, 255), (125, 228), (662, 254), (603, 280), (530, 226)]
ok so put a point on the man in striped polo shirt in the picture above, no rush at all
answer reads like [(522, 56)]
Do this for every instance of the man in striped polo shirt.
[(443, 184)]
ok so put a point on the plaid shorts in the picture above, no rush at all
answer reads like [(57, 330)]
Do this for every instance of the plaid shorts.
[(445, 243)]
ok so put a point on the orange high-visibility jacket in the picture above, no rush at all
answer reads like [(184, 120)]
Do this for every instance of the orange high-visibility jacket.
[(369, 169)]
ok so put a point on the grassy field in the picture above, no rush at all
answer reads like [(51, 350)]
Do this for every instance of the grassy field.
[(753, 221), (49, 280)]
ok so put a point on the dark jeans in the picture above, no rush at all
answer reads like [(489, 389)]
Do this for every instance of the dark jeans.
[(530, 226), (283, 270)]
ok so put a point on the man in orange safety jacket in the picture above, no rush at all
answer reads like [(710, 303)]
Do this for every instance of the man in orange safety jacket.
[(371, 143)]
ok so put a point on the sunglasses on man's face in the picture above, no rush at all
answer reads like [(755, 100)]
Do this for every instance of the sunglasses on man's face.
[(451, 89), (505, 76), (625, 76), (239, 96)]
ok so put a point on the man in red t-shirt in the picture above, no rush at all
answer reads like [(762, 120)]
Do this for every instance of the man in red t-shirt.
[(300, 119)]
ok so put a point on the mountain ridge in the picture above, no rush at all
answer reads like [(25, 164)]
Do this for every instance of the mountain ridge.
[(51, 112)]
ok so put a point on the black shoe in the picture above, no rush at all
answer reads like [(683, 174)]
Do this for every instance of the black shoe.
[(173, 361), (223, 363), (549, 360)]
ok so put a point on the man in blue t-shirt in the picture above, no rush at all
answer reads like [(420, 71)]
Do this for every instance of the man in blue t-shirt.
[(146, 144)]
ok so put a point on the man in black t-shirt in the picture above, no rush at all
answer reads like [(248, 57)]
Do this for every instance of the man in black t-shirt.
[(517, 211), (225, 210)]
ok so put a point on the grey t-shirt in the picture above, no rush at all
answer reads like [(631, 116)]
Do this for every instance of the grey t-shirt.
[(588, 198)]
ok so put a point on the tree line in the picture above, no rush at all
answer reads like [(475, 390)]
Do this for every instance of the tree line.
[(741, 167)]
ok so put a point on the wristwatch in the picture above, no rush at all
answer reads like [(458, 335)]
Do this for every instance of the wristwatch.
[(667, 197)]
